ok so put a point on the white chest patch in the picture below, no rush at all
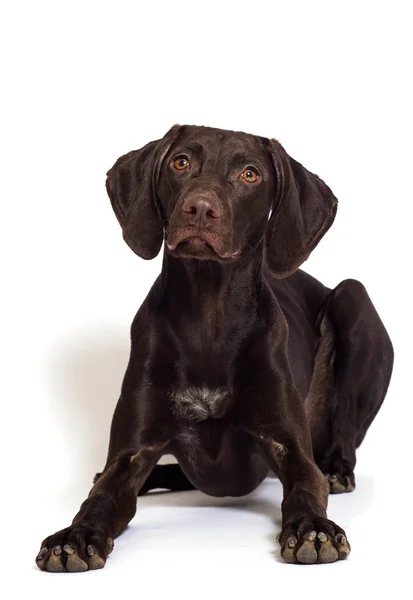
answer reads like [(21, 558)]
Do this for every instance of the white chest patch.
[(199, 403)]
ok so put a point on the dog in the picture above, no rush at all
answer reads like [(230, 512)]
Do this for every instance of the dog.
[(241, 363)]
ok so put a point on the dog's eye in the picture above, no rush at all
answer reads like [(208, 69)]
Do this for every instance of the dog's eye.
[(250, 176), (180, 163)]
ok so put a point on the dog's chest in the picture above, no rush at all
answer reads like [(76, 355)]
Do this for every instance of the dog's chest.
[(198, 403)]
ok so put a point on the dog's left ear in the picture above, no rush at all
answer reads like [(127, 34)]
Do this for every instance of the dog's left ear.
[(132, 188), (303, 210)]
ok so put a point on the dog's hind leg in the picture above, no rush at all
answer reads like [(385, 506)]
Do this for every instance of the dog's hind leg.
[(352, 372)]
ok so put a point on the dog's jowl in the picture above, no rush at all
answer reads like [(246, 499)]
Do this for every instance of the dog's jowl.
[(240, 362)]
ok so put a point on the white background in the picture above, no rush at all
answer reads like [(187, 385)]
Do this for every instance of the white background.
[(83, 83)]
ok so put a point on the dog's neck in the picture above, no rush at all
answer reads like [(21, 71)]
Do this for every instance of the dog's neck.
[(209, 291)]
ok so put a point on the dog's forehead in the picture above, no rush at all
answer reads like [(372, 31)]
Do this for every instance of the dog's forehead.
[(219, 141)]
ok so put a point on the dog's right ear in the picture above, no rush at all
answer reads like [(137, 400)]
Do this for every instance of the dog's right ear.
[(132, 188)]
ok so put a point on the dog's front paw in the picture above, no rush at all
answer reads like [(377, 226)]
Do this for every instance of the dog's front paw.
[(313, 540), (76, 548)]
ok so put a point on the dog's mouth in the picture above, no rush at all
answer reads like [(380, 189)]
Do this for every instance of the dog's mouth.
[(196, 242), (196, 246)]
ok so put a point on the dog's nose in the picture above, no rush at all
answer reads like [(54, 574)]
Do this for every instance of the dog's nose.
[(201, 208)]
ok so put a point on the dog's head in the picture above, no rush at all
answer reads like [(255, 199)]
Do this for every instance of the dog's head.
[(210, 193)]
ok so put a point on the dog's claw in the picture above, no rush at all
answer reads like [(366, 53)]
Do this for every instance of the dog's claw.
[(312, 536), (68, 549)]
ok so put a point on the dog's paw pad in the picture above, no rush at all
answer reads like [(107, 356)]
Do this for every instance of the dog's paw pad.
[(54, 564), (75, 564), (326, 553), (307, 554)]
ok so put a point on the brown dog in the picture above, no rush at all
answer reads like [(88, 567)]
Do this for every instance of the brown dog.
[(239, 363)]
